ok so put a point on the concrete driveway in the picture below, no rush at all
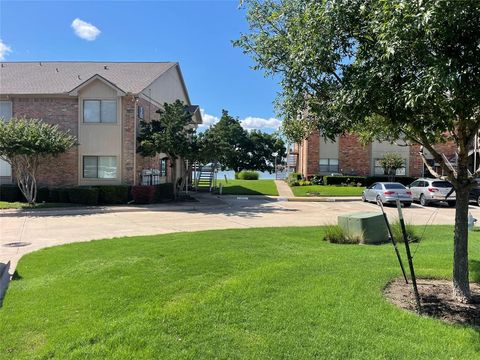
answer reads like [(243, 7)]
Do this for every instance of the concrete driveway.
[(25, 232)]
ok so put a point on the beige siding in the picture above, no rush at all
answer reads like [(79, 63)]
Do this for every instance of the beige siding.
[(379, 149), (329, 149), (99, 139), (167, 88)]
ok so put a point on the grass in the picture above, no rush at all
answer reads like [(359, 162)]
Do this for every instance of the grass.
[(249, 187), (233, 294), (24, 205), (327, 190)]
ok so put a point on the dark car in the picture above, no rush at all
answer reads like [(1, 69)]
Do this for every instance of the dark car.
[(474, 195)]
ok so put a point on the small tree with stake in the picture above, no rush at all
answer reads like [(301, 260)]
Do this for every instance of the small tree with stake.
[(390, 163), (24, 143)]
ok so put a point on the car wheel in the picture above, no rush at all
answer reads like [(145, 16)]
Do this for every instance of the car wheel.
[(378, 199), (478, 200), (364, 199), (451, 203), (423, 201)]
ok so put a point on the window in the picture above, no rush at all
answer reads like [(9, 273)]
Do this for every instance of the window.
[(100, 167), (328, 165), (5, 110), (163, 167), (100, 111)]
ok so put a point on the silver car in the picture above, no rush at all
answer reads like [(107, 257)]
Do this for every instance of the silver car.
[(428, 191), (388, 192)]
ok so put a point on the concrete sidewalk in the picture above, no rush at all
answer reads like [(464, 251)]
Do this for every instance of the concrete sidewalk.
[(283, 189)]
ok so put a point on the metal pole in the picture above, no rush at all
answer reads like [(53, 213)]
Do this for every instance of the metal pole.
[(394, 242), (409, 257)]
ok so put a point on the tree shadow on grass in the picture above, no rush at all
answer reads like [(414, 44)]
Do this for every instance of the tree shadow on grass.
[(239, 190)]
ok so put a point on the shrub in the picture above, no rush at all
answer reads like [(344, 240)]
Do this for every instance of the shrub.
[(83, 195), (247, 175), (293, 179), (59, 195), (304, 183), (144, 194), (10, 193), (335, 234), (163, 192), (398, 235), (112, 194), (43, 195), (317, 180), (341, 180), (405, 180)]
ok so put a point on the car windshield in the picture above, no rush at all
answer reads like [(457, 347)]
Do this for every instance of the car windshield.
[(394, 186), (441, 184)]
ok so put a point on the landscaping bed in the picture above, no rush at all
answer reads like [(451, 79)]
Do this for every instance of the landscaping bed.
[(247, 294)]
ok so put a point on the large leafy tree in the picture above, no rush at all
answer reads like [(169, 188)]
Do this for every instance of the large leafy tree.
[(387, 69), (173, 134), (233, 147), (25, 143)]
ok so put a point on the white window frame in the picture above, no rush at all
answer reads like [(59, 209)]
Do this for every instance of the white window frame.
[(11, 109), (331, 168)]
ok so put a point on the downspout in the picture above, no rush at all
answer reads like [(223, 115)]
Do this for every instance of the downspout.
[(135, 141)]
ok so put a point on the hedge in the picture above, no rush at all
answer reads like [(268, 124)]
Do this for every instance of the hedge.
[(10, 193), (163, 192), (112, 194), (58, 195), (43, 195), (144, 194), (247, 175), (339, 180), (83, 195)]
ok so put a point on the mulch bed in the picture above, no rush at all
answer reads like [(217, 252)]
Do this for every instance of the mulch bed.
[(437, 300)]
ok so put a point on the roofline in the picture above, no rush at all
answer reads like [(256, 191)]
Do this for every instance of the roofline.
[(74, 91)]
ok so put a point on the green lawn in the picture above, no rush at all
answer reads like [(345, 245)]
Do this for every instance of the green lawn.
[(249, 187), (24, 205), (236, 294), (327, 190)]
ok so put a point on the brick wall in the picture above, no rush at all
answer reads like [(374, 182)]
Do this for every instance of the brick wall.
[(353, 157), (416, 163), (63, 169), (313, 159)]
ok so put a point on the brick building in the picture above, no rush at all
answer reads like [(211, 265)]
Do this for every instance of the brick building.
[(348, 156), (101, 104)]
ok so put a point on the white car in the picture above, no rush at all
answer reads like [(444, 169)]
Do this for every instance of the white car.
[(428, 191)]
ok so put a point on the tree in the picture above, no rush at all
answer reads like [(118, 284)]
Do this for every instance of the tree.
[(24, 143), (386, 69), (229, 144), (172, 134), (263, 146), (391, 162)]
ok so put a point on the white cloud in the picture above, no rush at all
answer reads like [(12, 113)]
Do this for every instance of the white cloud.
[(251, 122), (4, 50), (208, 119), (85, 30)]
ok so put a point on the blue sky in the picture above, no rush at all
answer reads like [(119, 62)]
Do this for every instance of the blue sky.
[(197, 34)]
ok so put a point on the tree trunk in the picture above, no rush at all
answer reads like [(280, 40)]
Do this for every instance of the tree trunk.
[(461, 286), (173, 173)]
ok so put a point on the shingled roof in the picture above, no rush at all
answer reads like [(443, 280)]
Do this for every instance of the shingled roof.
[(62, 77)]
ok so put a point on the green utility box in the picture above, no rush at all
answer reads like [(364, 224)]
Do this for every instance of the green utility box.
[(369, 226)]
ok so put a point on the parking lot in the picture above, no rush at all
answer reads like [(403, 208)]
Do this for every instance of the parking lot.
[(36, 230)]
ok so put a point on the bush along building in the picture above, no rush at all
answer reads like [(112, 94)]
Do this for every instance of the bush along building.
[(346, 155), (101, 104)]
